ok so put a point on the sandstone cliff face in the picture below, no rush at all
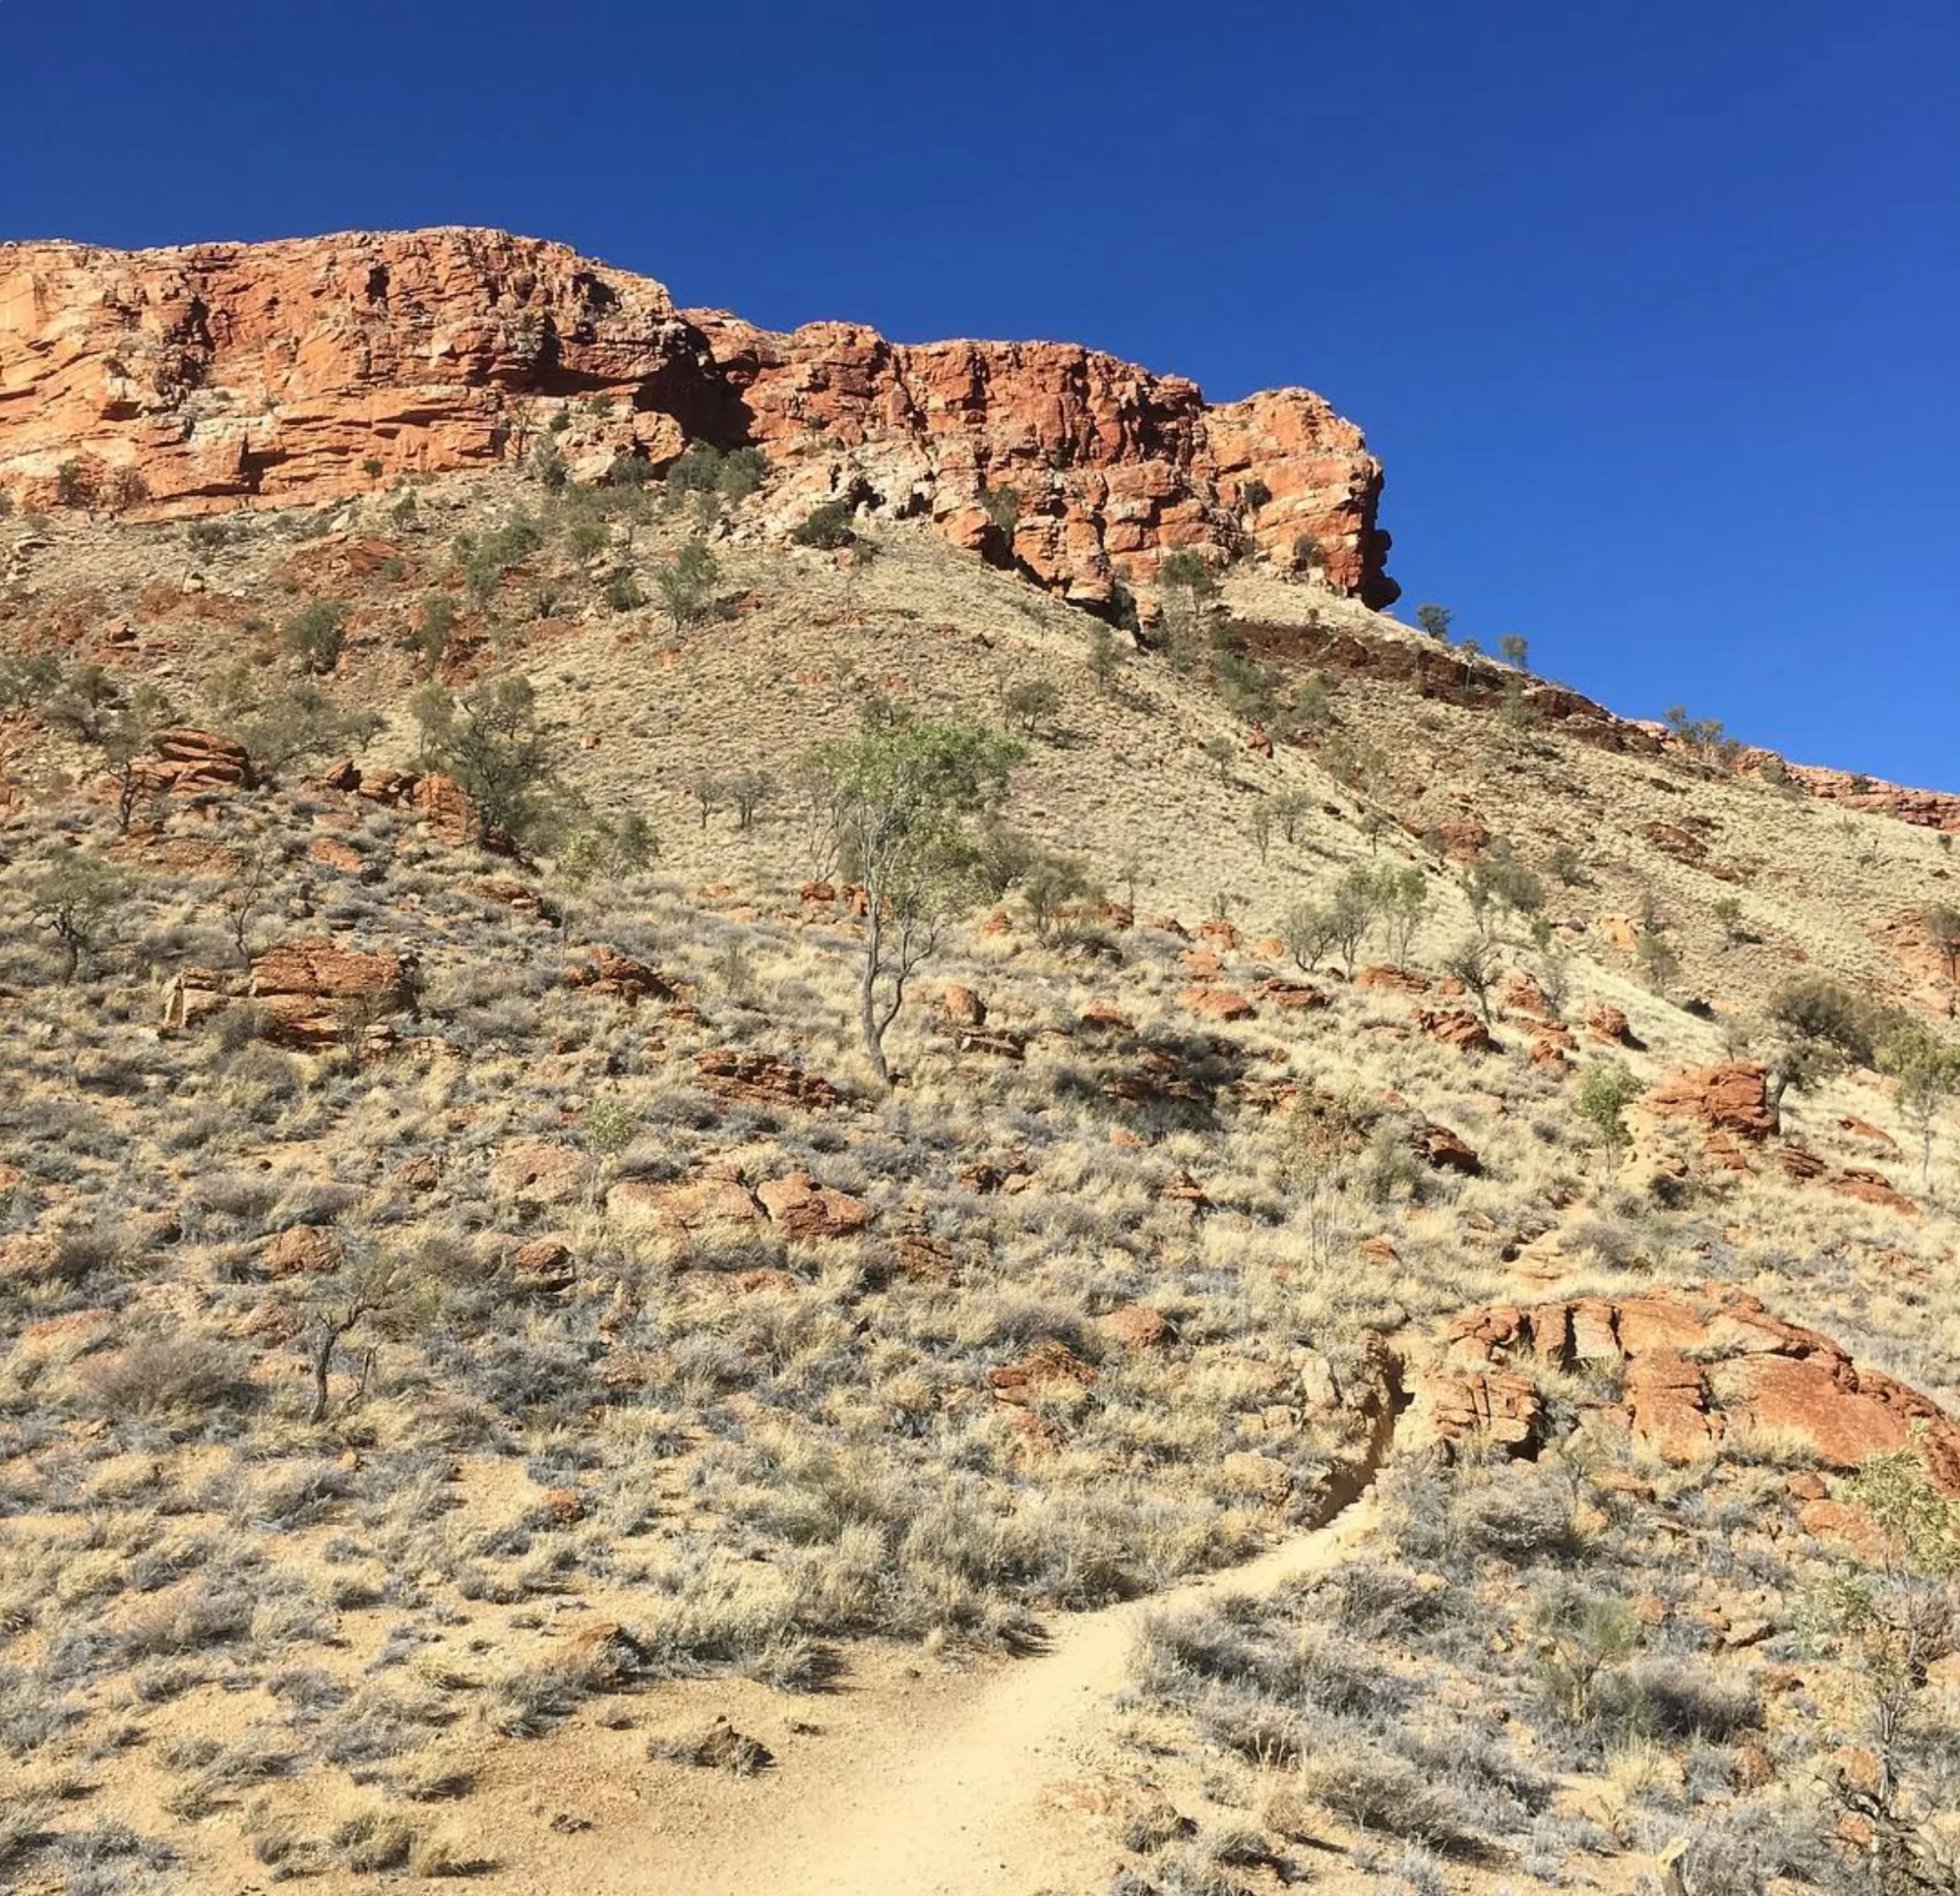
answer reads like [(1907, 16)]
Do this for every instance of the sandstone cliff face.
[(183, 380)]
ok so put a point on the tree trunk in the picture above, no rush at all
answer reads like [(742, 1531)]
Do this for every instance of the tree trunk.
[(867, 985)]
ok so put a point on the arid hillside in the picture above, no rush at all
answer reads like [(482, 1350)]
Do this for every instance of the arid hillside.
[(502, 1376)]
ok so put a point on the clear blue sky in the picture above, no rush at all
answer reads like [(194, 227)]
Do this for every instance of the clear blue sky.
[(1650, 309)]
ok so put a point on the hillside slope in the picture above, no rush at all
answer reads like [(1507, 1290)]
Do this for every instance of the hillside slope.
[(485, 1361)]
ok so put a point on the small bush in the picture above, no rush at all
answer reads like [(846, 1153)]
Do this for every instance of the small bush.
[(316, 635), (828, 526), (179, 1377)]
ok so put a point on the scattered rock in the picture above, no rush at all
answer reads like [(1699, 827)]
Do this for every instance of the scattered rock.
[(1457, 1027), (1443, 1150), (763, 1079), (1136, 1326), (313, 993), (1730, 1098), (1216, 1003), (1692, 1375), (301, 1250), (963, 1006), (604, 971), (718, 1747), (808, 1213), (1261, 1476), (1607, 1025), (540, 1171), (1398, 981)]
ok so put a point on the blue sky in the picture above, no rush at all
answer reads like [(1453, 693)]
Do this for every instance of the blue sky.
[(1650, 309)]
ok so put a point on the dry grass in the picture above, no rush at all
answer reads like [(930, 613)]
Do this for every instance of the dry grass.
[(747, 1449)]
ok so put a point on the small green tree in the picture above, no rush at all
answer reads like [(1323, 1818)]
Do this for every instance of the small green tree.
[(316, 635), (1927, 1070), (127, 741), (1941, 923), (1892, 1621), (1655, 958), (1606, 1089), (1818, 1026), (1002, 506), (493, 740), (300, 724), (1404, 897), (1515, 648), (900, 798), (1309, 930), (1498, 885), (26, 682), (1435, 621), (76, 484), (77, 897), (610, 846), (686, 584), (1188, 583), (1030, 703), (1106, 661), (84, 703), (1051, 886), (435, 626), (1352, 909), (1475, 963)]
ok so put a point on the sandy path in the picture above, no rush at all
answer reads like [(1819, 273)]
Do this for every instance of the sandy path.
[(961, 1807)]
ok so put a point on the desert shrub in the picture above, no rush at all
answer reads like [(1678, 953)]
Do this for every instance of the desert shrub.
[(185, 1377), (1375, 1788), (826, 526), (1030, 704), (374, 1841), (175, 1624), (316, 635), (1678, 1698)]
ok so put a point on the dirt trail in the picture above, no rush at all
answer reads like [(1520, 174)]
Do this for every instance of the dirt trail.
[(965, 1810)]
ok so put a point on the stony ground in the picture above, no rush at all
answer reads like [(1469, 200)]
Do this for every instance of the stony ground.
[(469, 1326)]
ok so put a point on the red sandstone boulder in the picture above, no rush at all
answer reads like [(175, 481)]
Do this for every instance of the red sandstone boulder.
[(1443, 1150), (541, 1171), (1216, 1003), (605, 972), (1457, 1027), (1397, 980), (1607, 1025), (1136, 1326), (301, 1250), (808, 1211), (963, 1007), (188, 760), (1731, 1097), (314, 992), (763, 1079), (1691, 1376)]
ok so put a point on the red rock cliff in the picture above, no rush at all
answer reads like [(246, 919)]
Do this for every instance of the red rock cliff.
[(182, 380)]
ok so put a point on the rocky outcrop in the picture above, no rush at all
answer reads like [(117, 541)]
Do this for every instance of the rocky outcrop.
[(314, 992), (183, 381), (1693, 1375), (1729, 1098), (763, 1079), (1073, 466), (188, 761), (808, 1211)]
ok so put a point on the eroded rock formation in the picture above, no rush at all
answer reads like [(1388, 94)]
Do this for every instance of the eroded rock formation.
[(182, 380), (1691, 1373)]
